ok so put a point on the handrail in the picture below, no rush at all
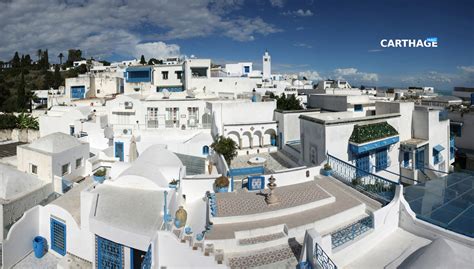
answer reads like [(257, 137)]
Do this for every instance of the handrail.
[(364, 171), (401, 176)]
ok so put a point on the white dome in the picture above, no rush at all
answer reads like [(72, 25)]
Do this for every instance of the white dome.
[(55, 143)]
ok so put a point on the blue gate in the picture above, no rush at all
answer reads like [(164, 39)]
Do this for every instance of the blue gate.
[(58, 236), (78, 92), (119, 150), (109, 254)]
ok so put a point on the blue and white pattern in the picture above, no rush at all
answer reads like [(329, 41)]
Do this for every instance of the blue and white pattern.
[(322, 259), (350, 232)]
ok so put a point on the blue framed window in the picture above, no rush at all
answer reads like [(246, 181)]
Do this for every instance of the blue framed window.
[(420, 159), (437, 158), (78, 92), (256, 183), (456, 129), (58, 236), (119, 151), (205, 150), (358, 108), (381, 160), (406, 159), (452, 149), (138, 74), (246, 69), (71, 130), (109, 254)]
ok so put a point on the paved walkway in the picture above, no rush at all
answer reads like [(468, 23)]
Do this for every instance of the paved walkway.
[(49, 261), (273, 162), (247, 203), (344, 201)]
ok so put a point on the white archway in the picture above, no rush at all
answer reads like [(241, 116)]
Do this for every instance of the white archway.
[(258, 139), (247, 140), (268, 136)]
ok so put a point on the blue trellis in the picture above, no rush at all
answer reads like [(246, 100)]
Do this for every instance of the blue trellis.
[(58, 236), (322, 259), (109, 254), (146, 263), (352, 231)]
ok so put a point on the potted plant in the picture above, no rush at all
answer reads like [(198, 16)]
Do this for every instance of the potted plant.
[(222, 184), (173, 184), (99, 175), (327, 169)]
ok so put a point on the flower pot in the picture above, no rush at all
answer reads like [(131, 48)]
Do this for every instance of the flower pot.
[(99, 179), (223, 189), (327, 172), (39, 246), (181, 215), (172, 186)]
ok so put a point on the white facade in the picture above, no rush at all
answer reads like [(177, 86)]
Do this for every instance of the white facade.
[(239, 69)]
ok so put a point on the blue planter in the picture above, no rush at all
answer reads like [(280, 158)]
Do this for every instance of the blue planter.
[(177, 223), (99, 179), (273, 141), (223, 189), (327, 172), (187, 230), (39, 246), (172, 186)]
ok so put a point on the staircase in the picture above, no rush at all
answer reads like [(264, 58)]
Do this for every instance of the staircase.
[(194, 165)]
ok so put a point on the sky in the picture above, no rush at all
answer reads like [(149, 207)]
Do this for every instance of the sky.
[(318, 39)]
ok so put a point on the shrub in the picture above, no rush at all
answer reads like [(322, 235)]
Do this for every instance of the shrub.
[(100, 172), (26, 121), (8, 121), (222, 182), (327, 166)]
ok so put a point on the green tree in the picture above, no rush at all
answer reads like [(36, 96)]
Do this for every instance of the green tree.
[(287, 103), (16, 61), (73, 55), (57, 79), (21, 95), (142, 60), (226, 147)]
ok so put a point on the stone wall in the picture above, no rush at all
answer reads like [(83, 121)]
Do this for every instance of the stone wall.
[(20, 135)]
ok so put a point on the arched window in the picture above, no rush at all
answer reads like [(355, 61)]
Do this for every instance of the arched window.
[(205, 150)]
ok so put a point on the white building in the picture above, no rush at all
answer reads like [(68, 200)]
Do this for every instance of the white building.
[(239, 69)]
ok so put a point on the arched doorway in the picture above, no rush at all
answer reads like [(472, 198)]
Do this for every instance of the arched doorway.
[(269, 137)]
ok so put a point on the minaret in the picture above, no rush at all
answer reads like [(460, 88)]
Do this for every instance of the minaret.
[(267, 66)]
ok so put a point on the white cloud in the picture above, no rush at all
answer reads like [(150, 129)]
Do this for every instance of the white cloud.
[(467, 69), (353, 74), (299, 13), (277, 3), (156, 50), (311, 75), (106, 27), (302, 45), (300, 28)]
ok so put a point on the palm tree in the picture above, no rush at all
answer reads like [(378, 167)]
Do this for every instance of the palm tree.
[(40, 54), (31, 96), (61, 56)]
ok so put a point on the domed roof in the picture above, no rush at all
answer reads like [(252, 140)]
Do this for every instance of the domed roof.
[(55, 143), (14, 182), (438, 254)]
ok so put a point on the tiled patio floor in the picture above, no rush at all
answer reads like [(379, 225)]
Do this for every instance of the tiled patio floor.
[(49, 261)]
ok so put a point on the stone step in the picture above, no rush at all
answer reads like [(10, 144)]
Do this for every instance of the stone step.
[(283, 253), (261, 239)]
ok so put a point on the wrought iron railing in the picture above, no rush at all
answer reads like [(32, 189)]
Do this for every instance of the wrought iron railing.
[(352, 231), (322, 259), (375, 186)]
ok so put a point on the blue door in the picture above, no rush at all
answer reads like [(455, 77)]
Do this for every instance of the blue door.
[(109, 254), (71, 130), (205, 150), (420, 159), (119, 150), (58, 236), (78, 92), (362, 164)]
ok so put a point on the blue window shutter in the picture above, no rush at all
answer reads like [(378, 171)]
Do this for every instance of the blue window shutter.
[(58, 236), (381, 159), (109, 254)]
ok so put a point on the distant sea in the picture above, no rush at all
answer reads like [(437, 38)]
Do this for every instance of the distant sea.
[(443, 91)]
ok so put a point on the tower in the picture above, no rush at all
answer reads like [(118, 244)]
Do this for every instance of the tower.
[(267, 66)]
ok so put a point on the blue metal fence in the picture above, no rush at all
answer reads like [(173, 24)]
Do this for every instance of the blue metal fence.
[(109, 254), (372, 185), (146, 263), (352, 231), (322, 259)]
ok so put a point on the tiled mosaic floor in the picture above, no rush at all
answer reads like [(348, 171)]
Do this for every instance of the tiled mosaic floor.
[(247, 203), (273, 163), (286, 253), (261, 239), (49, 261)]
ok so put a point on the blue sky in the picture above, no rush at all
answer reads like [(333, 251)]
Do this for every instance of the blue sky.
[(318, 39)]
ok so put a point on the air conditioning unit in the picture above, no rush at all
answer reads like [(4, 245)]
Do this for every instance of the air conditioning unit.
[(127, 131), (128, 105)]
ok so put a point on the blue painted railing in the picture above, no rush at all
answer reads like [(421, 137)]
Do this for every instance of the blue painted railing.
[(375, 186), (352, 231), (322, 259), (146, 263)]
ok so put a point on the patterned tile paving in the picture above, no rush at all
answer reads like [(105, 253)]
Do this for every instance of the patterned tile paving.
[(273, 163), (261, 239), (275, 255), (246, 203)]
